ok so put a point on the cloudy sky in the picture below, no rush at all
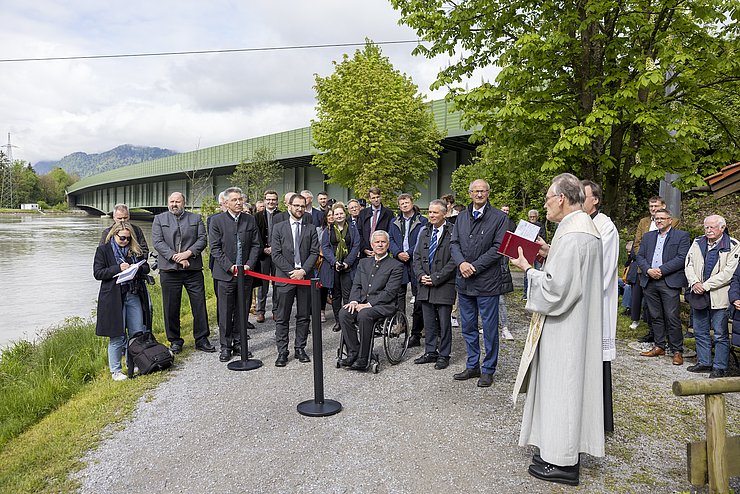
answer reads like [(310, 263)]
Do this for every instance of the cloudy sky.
[(54, 108)]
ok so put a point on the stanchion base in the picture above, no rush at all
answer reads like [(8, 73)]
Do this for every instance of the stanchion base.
[(244, 365), (312, 409)]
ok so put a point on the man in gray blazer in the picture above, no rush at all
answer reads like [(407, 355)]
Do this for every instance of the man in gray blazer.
[(235, 241), (179, 237), (294, 263), (374, 296), (434, 269)]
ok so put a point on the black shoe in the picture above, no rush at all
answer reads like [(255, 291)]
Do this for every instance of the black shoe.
[(282, 359), (485, 380), (359, 365), (626, 312), (238, 351), (301, 355), (467, 374), (225, 355), (718, 373), (347, 362), (648, 338), (427, 358), (176, 347), (250, 325), (699, 368), (415, 340), (336, 328), (537, 460), (442, 363), (554, 473), (205, 346)]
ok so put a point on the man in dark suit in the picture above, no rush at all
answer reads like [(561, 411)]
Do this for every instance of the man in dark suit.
[(373, 296), (661, 259), (265, 220), (313, 215), (234, 241), (295, 249), (374, 217), (434, 269), (121, 215), (179, 237)]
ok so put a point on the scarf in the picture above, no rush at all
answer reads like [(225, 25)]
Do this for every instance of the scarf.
[(341, 250), (122, 254)]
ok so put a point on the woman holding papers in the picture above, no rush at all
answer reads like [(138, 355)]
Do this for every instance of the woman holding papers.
[(122, 305)]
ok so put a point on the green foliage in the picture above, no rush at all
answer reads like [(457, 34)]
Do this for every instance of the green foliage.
[(621, 93), (373, 129), (53, 186), (257, 174)]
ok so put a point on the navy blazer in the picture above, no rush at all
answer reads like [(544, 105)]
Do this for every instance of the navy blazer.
[(364, 224), (675, 249), (396, 245)]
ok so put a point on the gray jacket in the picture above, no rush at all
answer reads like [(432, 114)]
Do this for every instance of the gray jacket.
[(172, 234)]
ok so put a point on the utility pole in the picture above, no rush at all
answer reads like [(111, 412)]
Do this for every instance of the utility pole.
[(7, 186)]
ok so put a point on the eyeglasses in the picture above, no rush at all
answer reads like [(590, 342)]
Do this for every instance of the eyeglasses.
[(298, 206), (123, 238), (661, 219), (480, 191)]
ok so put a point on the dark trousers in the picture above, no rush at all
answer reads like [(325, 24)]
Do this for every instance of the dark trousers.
[(340, 291), (417, 318), (437, 321), (229, 332), (172, 285), (663, 303), (365, 320), (286, 295), (263, 286)]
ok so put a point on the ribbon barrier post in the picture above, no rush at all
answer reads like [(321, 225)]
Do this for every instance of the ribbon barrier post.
[(245, 363), (318, 407)]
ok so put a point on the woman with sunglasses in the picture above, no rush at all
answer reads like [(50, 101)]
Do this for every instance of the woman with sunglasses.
[(120, 306)]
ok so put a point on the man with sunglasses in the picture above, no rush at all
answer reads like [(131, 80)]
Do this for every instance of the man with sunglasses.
[(121, 215)]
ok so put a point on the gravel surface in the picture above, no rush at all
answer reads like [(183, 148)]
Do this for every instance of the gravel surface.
[(409, 428)]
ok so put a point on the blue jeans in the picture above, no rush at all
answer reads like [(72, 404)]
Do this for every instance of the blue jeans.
[(718, 319), (469, 308), (133, 320), (502, 312), (627, 296)]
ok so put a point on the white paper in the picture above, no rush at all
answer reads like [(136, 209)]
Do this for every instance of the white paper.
[(129, 273), (527, 230)]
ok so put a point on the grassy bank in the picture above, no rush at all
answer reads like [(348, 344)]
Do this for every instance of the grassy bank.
[(57, 398)]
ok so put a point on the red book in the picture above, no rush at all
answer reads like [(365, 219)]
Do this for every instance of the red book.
[(511, 242)]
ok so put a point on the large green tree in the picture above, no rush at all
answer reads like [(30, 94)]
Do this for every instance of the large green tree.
[(617, 91), (373, 128), (258, 173)]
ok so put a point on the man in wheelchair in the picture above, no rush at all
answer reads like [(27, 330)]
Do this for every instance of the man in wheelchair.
[(374, 293)]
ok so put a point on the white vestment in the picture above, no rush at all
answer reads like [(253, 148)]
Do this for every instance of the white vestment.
[(564, 410), (610, 247)]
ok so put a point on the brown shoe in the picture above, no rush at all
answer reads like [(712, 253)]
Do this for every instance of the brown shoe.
[(260, 317), (677, 358), (655, 352)]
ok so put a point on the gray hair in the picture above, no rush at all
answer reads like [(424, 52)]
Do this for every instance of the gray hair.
[(232, 190), (381, 233), (439, 202), (719, 219), (533, 212), (307, 192), (470, 187), (120, 207), (569, 185), (221, 197)]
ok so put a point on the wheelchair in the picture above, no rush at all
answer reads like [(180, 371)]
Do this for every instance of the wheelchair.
[(394, 330)]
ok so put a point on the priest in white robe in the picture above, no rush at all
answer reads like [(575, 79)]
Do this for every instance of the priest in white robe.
[(561, 367)]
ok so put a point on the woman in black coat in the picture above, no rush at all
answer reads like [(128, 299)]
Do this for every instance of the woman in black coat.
[(124, 305)]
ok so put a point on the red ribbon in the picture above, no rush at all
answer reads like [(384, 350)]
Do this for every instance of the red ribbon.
[(280, 280)]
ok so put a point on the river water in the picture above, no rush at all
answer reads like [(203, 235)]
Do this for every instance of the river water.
[(46, 271)]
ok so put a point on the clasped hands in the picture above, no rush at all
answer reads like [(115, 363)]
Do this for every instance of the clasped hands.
[(234, 270), (181, 258), (353, 307)]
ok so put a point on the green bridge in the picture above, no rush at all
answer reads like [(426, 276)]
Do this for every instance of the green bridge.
[(203, 173)]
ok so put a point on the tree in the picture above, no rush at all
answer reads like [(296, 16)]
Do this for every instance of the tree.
[(617, 92), (373, 126), (54, 184), (257, 174)]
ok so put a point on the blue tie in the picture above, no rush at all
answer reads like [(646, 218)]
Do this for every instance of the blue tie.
[(432, 246), (238, 243), (476, 215)]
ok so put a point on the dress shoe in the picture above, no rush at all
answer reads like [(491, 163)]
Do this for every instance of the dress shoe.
[(699, 368), (176, 347), (359, 365), (485, 380), (260, 317), (225, 355), (718, 373), (467, 374), (301, 355), (205, 346), (282, 359), (415, 340), (648, 338), (554, 473), (537, 460), (238, 351), (656, 351), (442, 363), (250, 325), (336, 328), (677, 358), (347, 362), (427, 358)]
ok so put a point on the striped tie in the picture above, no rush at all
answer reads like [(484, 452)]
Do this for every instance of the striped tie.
[(433, 245)]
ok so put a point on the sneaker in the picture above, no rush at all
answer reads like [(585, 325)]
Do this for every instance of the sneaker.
[(506, 334), (634, 324), (119, 376), (455, 324)]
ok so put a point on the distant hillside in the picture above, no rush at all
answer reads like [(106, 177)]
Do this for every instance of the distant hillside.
[(84, 164)]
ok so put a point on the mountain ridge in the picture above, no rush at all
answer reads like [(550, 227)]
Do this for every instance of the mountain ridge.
[(83, 165)]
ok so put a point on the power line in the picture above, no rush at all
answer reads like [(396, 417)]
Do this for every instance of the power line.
[(205, 52)]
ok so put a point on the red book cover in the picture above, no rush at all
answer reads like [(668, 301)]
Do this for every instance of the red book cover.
[(511, 242)]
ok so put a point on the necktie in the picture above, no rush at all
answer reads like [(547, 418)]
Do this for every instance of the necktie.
[(297, 245), (433, 245), (476, 215), (238, 243), (374, 222), (268, 214)]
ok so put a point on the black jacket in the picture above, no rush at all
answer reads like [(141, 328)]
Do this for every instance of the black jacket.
[(442, 269)]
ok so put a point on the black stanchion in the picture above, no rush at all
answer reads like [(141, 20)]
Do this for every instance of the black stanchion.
[(608, 404), (245, 363), (318, 407)]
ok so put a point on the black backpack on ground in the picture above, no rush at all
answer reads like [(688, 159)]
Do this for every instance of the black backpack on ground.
[(146, 353)]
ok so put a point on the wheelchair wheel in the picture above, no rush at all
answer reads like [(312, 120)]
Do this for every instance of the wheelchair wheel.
[(396, 337)]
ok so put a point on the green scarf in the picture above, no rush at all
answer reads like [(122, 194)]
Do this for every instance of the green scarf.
[(341, 243)]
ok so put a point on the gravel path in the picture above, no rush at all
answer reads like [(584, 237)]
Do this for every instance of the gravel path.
[(409, 428)]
